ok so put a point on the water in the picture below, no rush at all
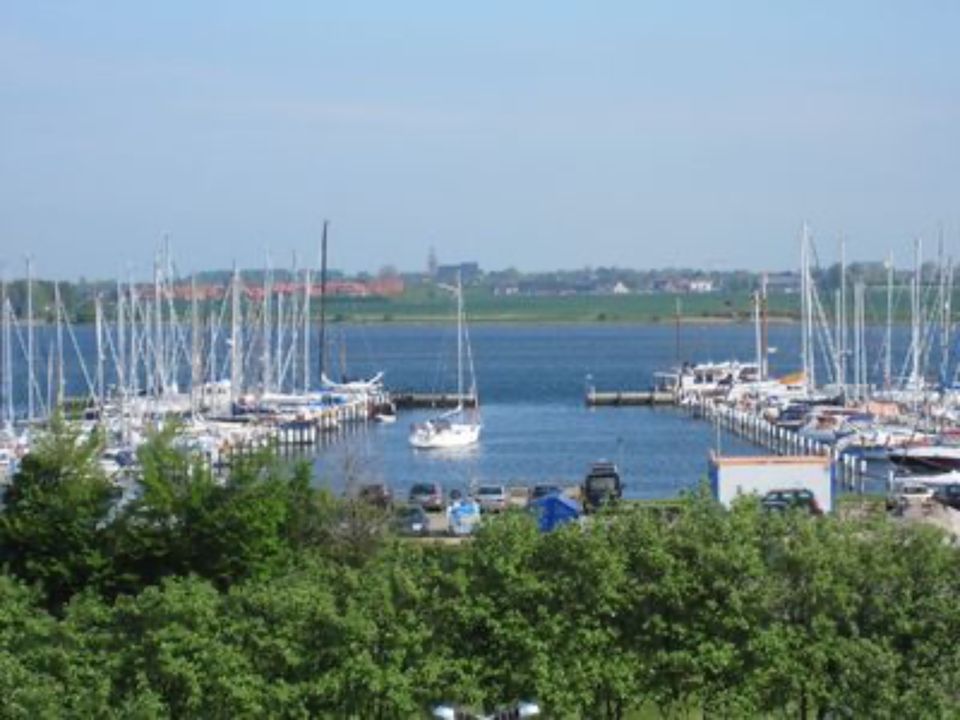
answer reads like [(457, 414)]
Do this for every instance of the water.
[(531, 381), (536, 426)]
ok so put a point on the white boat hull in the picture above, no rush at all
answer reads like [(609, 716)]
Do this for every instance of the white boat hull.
[(933, 480), (427, 436)]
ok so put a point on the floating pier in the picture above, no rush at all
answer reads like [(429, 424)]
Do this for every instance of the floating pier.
[(756, 429), (629, 397), (851, 471)]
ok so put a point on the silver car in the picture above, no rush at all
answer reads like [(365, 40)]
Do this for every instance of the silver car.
[(492, 498)]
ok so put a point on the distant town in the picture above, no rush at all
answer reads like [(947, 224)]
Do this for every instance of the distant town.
[(391, 285)]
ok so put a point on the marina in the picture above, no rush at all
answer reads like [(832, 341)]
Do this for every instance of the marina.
[(252, 368), (900, 428), (622, 382)]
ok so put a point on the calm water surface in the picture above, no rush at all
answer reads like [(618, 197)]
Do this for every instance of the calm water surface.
[(536, 427)]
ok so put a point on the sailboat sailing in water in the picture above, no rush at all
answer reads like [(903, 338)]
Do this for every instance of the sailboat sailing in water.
[(456, 428)]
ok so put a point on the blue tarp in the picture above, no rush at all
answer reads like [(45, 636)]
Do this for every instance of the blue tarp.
[(554, 510)]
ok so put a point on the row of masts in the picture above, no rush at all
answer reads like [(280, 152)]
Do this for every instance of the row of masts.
[(841, 339), (150, 345)]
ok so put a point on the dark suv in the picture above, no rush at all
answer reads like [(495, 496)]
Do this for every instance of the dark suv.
[(789, 498), (602, 486), (948, 495), (428, 495)]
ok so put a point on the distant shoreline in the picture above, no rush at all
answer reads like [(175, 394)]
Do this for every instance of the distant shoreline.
[(532, 319)]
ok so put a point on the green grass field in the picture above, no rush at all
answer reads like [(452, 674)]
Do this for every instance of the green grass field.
[(430, 305)]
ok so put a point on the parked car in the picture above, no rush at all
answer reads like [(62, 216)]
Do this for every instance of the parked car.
[(411, 520), (909, 493), (492, 498), (463, 516), (427, 495), (948, 495), (789, 498), (377, 494), (542, 491), (602, 486)]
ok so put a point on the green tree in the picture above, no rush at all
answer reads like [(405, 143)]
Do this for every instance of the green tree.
[(55, 509), (585, 670), (175, 646), (188, 520)]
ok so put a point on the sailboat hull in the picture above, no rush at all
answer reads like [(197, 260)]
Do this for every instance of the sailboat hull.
[(430, 436)]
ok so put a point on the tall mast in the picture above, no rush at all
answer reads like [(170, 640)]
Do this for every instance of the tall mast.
[(758, 333), (842, 335), (121, 357), (7, 359), (838, 364), (864, 382), (133, 365), (459, 342), (121, 341), (915, 317), (857, 345), (294, 326), (50, 383), (196, 368), (278, 351), (60, 377), (171, 332), (947, 320), (213, 372), (98, 329), (803, 305), (323, 301), (158, 349), (236, 351), (307, 282), (764, 344), (31, 375), (888, 354), (149, 374), (806, 310), (265, 324), (946, 286)]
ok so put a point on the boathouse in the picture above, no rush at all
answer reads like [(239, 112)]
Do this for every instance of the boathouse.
[(731, 476)]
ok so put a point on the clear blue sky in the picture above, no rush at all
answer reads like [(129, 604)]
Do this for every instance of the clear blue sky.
[(529, 134)]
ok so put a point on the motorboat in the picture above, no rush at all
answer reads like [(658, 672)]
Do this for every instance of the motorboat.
[(932, 459)]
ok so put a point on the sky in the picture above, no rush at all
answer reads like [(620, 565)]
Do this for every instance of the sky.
[(536, 135)]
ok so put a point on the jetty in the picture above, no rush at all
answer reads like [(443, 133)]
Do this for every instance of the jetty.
[(626, 398), (414, 400)]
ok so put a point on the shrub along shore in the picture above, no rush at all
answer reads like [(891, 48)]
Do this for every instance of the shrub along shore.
[(261, 595)]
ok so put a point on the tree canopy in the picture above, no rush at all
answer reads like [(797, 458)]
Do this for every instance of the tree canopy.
[(259, 595)]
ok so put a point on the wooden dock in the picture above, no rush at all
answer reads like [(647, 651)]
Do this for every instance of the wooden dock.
[(413, 400), (625, 398)]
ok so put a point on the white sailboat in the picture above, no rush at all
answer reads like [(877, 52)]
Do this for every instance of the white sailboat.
[(453, 429), (354, 388)]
